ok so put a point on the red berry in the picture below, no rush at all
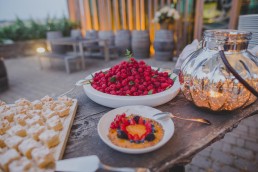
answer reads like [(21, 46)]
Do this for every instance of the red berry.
[(140, 120), (140, 70), (164, 85), (133, 89), (130, 137), (147, 78), (165, 74), (136, 137), (132, 122), (128, 92)]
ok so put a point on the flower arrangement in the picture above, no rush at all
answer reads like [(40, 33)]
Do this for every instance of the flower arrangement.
[(166, 15)]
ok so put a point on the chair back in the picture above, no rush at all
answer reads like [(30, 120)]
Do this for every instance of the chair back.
[(107, 35), (76, 33), (52, 35), (91, 34)]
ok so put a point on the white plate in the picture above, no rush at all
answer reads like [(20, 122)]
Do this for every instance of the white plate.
[(145, 111), (114, 101)]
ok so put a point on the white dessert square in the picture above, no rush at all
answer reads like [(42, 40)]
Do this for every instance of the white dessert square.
[(43, 157), (8, 115), (48, 113), (4, 126), (3, 150), (17, 130), (66, 100), (22, 102), (20, 165), (62, 110), (32, 113), (27, 146), (50, 138), (4, 108), (46, 99), (50, 105), (35, 130), (2, 103), (36, 119), (7, 157), (21, 109), (2, 139), (55, 123), (20, 119), (13, 141), (37, 105)]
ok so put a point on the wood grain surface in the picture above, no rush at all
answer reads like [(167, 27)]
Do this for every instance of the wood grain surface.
[(189, 137), (64, 134)]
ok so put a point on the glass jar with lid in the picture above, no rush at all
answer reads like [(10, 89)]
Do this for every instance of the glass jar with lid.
[(212, 77)]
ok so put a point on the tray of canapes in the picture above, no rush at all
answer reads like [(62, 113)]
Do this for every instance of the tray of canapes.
[(132, 82), (33, 135)]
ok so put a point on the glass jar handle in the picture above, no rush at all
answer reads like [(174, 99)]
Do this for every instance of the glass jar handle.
[(234, 72)]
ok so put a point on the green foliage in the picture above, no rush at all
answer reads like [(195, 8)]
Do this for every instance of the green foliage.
[(29, 30), (128, 53)]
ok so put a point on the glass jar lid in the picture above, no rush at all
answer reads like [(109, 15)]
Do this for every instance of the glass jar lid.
[(228, 35)]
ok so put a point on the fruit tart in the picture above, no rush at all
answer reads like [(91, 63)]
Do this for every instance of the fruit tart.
[(135, 131)]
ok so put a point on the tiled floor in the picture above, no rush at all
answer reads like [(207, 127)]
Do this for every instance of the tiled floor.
[(238, 151)]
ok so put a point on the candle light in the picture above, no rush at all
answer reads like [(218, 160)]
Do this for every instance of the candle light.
[(40, 50)]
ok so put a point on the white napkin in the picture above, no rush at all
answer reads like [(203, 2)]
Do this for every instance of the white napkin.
[(194, 46)]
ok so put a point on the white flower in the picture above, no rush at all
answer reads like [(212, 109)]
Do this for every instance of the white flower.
[(171, 12), (167, 13), (155, 20), (176, 15), (157, 14), (164, 9)]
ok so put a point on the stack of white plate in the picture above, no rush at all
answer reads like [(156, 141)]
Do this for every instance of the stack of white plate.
[(250, 23)]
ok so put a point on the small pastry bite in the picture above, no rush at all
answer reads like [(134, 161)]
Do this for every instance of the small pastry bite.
[(8, 115), (2, 103), (2, 139), (66, 100), (32, 113), (13, 141), (7, 157), (22, 102), (62, 110), (37, 105), (48, 113), (50, 138), (36, 119), (20, 165), (17, 130), (35, 130), (21, 109), (55, 123), (20, 119), (50, 105), (4, 126), (3, 150), (46, 99), (27, 146), (43, 157), (4, 108)]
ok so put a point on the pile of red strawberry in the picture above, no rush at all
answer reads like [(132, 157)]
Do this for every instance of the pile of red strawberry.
[(131, 78), (121, 122)]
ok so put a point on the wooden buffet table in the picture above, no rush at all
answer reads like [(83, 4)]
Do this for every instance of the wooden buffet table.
[(189, 138)]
